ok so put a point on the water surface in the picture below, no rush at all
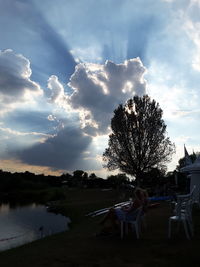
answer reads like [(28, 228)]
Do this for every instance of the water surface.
[(23, 224)]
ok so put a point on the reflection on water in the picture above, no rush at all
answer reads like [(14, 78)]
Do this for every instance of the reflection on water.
[(24, 224), (4, 208)]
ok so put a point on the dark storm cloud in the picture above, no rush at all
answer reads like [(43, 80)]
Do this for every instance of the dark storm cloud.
[(59, 152), (30, 121)]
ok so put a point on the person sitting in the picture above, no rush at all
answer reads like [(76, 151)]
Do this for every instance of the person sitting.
[(112, 219)]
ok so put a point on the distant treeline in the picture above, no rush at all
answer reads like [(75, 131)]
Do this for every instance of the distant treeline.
[(27, 181), (27, 186)]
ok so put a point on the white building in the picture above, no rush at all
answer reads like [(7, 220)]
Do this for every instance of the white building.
[(193, 170)]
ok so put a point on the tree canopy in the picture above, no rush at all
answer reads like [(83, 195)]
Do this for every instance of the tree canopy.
[(138, 141)]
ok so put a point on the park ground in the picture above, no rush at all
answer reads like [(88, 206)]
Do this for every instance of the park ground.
[(79, 247)]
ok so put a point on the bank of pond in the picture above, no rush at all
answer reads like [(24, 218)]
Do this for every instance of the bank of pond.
[(20, 224)]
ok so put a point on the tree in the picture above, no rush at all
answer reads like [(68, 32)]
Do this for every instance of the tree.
[(78, 174), (92, 176), (118, 180), (153, 177), (138, 141)]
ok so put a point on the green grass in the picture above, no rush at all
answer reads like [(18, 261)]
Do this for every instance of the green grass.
[(79, 246)]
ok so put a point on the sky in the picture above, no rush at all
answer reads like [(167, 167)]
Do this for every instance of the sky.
[(65, 66)]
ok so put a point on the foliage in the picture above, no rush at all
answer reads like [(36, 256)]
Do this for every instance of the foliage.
[(38, 187), (138, 141), (92, 176), (118, 180), (153, 178), (79, 178)]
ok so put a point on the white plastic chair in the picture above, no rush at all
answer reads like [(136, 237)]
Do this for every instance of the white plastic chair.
[(193, 191), (134, 219), (196, 196), (180, 204), (184, 215), (189, 217)]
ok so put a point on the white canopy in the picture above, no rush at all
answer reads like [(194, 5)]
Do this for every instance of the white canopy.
[(192, 168)]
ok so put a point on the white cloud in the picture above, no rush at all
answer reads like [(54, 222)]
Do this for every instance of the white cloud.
[(87, 54), (193, 31), (173, 95), (51, 117), (57, 91), (16, 87), (99, 89), (182, 113), (194, 2), (182, 139), (189, 19), (19, 133), (169, 1)]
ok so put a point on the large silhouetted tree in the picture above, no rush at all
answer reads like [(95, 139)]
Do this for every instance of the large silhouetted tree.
[(138, 141)]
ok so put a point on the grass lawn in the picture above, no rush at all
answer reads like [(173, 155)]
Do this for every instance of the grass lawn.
[(79, 246)]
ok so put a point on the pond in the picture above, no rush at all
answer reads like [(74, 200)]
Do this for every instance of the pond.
[(23, 224)]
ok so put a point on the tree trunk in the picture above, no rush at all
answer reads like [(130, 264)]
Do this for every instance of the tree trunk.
[(138, 181), (139, 176)]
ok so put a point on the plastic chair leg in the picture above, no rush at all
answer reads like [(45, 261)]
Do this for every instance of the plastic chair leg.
[(122, 230), (126, 227), (178, 226), (186, 229), (169, 229), (137, 231), (190, 224)]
